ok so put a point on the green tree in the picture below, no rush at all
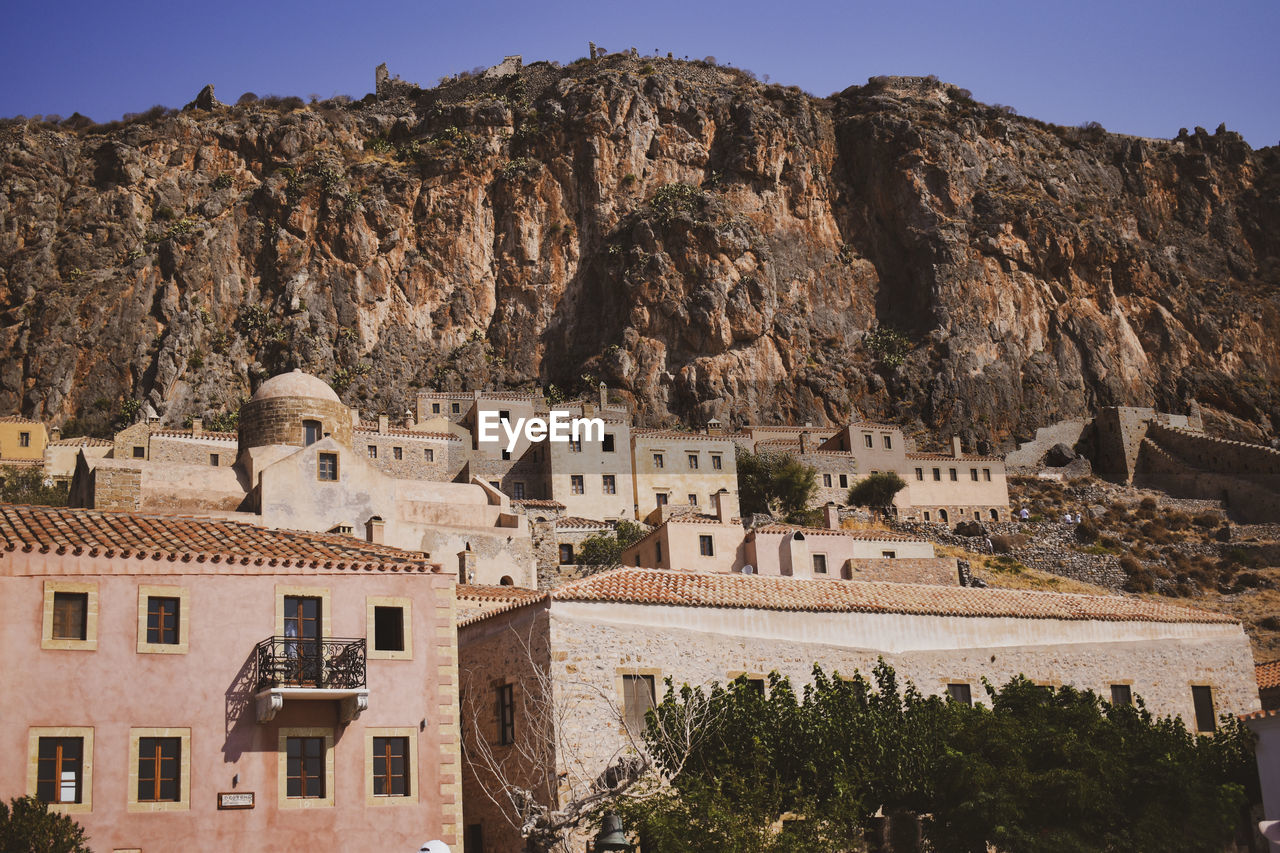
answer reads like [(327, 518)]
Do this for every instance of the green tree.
[(776, 483), (877, 491), (28, 486), (27, 826), (605, 549)]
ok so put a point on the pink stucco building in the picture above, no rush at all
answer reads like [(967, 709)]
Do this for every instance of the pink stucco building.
[(212, 685)]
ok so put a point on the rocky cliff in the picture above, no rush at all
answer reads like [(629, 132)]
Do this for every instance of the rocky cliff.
[(704, 243)]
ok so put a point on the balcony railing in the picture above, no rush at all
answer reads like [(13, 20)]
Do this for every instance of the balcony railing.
[(330, 663)]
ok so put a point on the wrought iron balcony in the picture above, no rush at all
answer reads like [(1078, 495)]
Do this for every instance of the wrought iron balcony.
[(329, 668)]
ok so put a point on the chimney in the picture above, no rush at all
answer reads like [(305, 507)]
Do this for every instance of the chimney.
[(721, 500), (467, 565), (384, 423), (355, 416), (804, 442), (374, 529), (714, 427), (604, 395), (831, 516), (955, 447), (408, 419), (55, 433), (197, 427)]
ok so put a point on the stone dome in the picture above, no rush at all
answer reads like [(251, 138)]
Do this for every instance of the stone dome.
[(295, 384)]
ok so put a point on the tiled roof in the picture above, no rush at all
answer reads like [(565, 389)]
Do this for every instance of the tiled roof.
[(186, 433), (81, 441), (16, 419), (872, 425), (677, 435), (577, 522), (91, 533), (476, 602), (947, 457), (367, 427), (657, 586), (865, 535), (527, 502), (1268, 674), (18, 463), (1261, 715)]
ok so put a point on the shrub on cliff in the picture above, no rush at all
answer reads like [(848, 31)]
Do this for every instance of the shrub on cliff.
[(674, 200)]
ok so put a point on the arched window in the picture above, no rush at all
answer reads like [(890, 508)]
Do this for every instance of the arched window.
[(942, 516), (995, 515), (507, 581)]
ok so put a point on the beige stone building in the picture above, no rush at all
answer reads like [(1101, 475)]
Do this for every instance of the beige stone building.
[(60, 454), (301, 460), (599, 649), (682, 469), (22, 441)]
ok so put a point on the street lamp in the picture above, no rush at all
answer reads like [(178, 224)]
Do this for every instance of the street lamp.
[(611, 836)]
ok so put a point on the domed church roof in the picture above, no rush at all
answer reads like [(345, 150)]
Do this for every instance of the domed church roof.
[(295, 384)]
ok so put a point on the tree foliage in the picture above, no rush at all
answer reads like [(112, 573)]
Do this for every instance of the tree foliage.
[(605, 549), (776, 483), (22, 485), (27, 826), (877, 490), (1038, 769)]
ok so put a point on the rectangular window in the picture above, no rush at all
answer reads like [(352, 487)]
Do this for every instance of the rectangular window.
[(311, 432), (24, 439), (159, 763), (70, 616), (506, 454), (973, 474), (959, 692), (954, 475), (504, 415), (1202, 696), (826, 481), (986, 474), (607, 444), (388, 629), (706, 547), (373, 451), (844, 481), (662, 498), (566, 554), (435, 408), (693, 500), (937, 474), (60, 769), (693, 461), (305, 762), (657, 552), (890, 555), (391, 767), (717, 463), (888, 443), (506, 715), (575, 445), (819, 564), (162, 620), (638, 698), (430, 454), (496, 485), (1121, 694), (397, 452), (575, 484), (867, 440), (139, 452), (456, 408), (213, 459), (610, 487), (919, 473), (517, 491), (327, 466), (657, 460)]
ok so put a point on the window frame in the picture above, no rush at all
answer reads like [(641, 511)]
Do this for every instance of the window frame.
[(826, 481), (506, 700), (868, 440), (706, 545), (283, 800), (85, 733), (372, 603), (609, 483), (954, 474), (90, 641), (717, 462), (321, 458), (183, 803), (284, 591), (955, 693), (429, 453), (1127, 688), (1197, 710), (823, 558), (561, 552), (659, 460), (24, 439), (183, 595), (409, 734), (607, 443), (577, 484), (623, 676), (310, 434), (692, 459)]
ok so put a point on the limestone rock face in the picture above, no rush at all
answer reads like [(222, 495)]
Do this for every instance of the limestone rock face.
[(705, 244)]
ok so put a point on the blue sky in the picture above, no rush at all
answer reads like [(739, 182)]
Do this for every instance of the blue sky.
[(1146, 67)]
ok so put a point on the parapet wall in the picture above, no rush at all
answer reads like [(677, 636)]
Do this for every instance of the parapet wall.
[(1212, 469), (1219, 455), (1029, 454), (941, 571)]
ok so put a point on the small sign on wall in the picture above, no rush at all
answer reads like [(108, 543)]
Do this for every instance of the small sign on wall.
[(235, 800)]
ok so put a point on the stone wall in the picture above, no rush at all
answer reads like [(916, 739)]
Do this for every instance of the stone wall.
[(278, 420), (412, 463), (831, 464), (1248, 497), (931, 570), (115, 489), (193, 450), (1029, 453)]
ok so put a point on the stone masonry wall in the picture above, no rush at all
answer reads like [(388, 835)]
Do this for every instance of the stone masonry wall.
[(117, 489), (413, 462), (192, 451), (278, 420), (934, 570)]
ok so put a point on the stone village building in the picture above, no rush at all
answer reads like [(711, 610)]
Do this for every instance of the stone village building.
[(602, 646), (205, 684)]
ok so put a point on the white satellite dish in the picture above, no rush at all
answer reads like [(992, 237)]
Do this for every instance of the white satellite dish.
[(434, 847), (748, 569)]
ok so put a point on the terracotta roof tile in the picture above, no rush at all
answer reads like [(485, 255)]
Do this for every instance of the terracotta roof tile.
[(82, 441), (477, 602), (677, 435), (865, 535), (16, 419), (367, 427), (1268, 674), (19, 463), (186, 433), (947, 457), (32, 528), (656, 586), (579, 523), (527, 502), (1261, 715)]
